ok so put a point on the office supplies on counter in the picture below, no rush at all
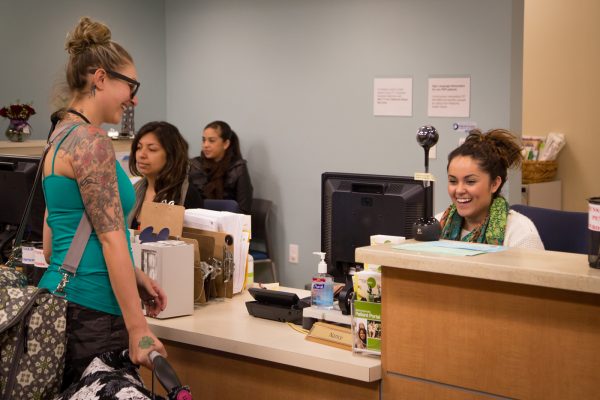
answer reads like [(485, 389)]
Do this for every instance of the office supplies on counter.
[(312, 315), (148, 235), (331, 335), (366, 327), (237, 226), (345, 296), (275, 305), (216, 252), (383, 239), (162, 215), (321, 290), (171, 264), (366, 304), (451, 247)]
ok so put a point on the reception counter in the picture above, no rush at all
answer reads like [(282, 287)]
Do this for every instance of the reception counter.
[(222, 352), (514, 324)]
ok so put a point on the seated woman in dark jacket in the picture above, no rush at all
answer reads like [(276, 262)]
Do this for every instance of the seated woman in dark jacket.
[(220, 172), (159, 154)]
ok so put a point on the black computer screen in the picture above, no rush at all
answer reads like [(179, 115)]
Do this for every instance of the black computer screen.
[(356, 206), (17, 175)]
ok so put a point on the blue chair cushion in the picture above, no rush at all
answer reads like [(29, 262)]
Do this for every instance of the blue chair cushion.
[(258, 255), (559, 230)]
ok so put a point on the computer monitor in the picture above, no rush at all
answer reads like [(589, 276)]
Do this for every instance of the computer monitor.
[(356, 206), (17, 175)]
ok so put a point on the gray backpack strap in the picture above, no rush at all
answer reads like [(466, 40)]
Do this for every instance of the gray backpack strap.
[(75, 252)]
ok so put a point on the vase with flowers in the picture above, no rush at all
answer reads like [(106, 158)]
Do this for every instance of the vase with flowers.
[(18, 128)]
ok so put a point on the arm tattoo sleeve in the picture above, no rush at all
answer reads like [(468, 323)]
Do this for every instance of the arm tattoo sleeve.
[(93, 160)]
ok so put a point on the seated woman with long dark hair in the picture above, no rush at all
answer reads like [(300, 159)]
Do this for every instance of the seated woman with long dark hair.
[(159, 154), (220, 172)]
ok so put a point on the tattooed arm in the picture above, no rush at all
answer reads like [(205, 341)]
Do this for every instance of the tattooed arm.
[(93, 161)]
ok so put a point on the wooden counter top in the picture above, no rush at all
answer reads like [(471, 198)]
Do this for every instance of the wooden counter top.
[(227, 326), (550, 269)]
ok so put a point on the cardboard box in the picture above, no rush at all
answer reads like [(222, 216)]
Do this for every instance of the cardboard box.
[(171, 264)]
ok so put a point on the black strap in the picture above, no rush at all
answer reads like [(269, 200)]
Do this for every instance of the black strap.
[(21, 229), (80, 115), (54, 119)]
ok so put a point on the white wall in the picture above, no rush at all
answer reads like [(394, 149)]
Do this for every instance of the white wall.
[(295, 80), (33, 56)]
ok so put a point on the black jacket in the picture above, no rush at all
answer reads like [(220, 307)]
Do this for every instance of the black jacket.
[(237, 185)]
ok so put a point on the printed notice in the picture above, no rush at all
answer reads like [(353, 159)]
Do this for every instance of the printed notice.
[(449, 97), (392, 97)]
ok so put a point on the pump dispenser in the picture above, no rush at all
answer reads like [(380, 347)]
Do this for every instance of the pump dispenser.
[(322, 286)]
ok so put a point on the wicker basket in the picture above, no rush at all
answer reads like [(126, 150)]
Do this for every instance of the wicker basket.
[(538, 171)]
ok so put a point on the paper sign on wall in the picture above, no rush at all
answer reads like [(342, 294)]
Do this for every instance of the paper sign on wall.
[(392, 97), (449, 97)]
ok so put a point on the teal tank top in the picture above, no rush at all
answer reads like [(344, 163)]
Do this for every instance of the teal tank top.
[(90, 287)]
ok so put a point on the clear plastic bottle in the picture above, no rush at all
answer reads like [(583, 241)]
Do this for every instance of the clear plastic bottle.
[(322, 286)]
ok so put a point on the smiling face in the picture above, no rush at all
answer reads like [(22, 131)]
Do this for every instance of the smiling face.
[(118, 94), (150, 156), (213, 146), (471, 190)]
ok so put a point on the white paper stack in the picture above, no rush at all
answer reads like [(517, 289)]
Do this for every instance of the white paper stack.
[(236, 225)]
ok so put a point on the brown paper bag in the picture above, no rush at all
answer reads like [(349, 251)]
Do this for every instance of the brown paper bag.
[(162, 215)]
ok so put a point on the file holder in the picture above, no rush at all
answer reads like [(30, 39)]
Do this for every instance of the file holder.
[(213, 247)]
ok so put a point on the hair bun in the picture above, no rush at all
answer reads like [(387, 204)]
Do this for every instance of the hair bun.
[(87, 33)]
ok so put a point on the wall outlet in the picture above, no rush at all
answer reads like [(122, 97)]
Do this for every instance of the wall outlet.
[(293, 257)]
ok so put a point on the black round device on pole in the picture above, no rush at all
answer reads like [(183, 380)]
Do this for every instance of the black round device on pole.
[(427, 228)]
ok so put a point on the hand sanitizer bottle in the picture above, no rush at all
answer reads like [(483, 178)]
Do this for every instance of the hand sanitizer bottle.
[(322, 286)]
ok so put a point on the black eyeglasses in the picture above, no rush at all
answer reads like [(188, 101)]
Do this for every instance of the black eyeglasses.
[(134, 85)]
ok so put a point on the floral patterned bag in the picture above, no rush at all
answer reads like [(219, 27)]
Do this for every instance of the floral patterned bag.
[(33, 322), (32, 342)]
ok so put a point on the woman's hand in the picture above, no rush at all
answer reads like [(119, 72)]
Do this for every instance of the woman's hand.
[(141, 343), (154, 298)]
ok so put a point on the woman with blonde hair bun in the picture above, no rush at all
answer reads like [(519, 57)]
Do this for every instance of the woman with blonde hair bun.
[(81, 175), (477, 171)]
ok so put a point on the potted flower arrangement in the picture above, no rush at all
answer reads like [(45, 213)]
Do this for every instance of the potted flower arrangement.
[(18, 127)]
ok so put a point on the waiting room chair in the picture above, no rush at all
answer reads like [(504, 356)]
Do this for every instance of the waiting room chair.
[(261, 244), (559, 230), (222, 205)]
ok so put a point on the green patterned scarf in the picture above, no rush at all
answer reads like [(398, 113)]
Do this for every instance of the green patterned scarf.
[(492, 230)]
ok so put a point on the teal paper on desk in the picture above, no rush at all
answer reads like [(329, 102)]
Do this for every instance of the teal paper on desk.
[(452, 248)]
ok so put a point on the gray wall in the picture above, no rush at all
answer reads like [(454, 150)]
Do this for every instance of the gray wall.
[(295, 80), (33, 57)]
